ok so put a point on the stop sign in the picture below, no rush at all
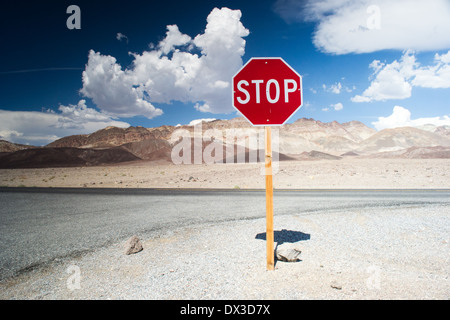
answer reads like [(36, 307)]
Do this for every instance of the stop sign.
[(267, 91)]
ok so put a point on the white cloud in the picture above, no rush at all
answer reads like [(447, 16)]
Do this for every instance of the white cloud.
[(348, 89), (202, 107), (396, 80), (113, 90), (401, 117), (174, 38), (436, 76), (10, 135), (41, 128), (121, 36), (197, 121), (390, 83), (171, 72), (337, 107), (334, 88), (78, 116), (361, 26)]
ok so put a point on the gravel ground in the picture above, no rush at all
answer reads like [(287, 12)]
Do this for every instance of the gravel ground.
[(347, 173), (395, 253)]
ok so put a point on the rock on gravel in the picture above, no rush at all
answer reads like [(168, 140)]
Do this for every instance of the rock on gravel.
[(288, 252), (133, 245), (336, 285)]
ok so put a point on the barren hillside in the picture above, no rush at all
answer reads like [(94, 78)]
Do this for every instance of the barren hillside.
[(304, 139)]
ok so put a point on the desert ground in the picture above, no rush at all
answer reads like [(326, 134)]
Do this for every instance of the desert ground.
[(374, 253), (347, 173), (393, 253)]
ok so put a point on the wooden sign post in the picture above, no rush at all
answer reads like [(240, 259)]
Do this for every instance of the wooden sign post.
[(269, 201), (267, 92)]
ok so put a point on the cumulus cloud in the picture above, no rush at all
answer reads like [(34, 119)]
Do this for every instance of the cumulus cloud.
[(41, 128), (401, 117), (171, 71), (396, 80), (390, 81), (435, 76), (79, 116), (113, 90), (174, 38), (361, 26), (337, 107)]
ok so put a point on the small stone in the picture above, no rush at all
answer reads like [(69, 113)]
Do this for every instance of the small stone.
[(288, 252), (335, 285), (133, 245)]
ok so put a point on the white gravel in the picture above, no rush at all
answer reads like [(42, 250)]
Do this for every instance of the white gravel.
[(396, 253)]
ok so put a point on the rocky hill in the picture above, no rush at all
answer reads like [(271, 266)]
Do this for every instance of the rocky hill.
[(400, 139), (113, 137), (6, 146), (437, 152), (304, 139), (64, 157), (443, 131)]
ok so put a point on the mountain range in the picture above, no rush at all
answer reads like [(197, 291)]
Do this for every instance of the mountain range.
[(304, 139)]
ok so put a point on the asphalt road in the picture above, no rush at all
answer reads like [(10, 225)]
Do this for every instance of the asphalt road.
[(39, 225)]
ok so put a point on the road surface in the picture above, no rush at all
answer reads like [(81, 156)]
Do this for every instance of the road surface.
[(38, 225)]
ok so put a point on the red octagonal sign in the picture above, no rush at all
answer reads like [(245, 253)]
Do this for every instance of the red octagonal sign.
[(267, 91)]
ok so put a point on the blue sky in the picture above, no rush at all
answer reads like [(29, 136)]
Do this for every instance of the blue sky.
[(150, 63)]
